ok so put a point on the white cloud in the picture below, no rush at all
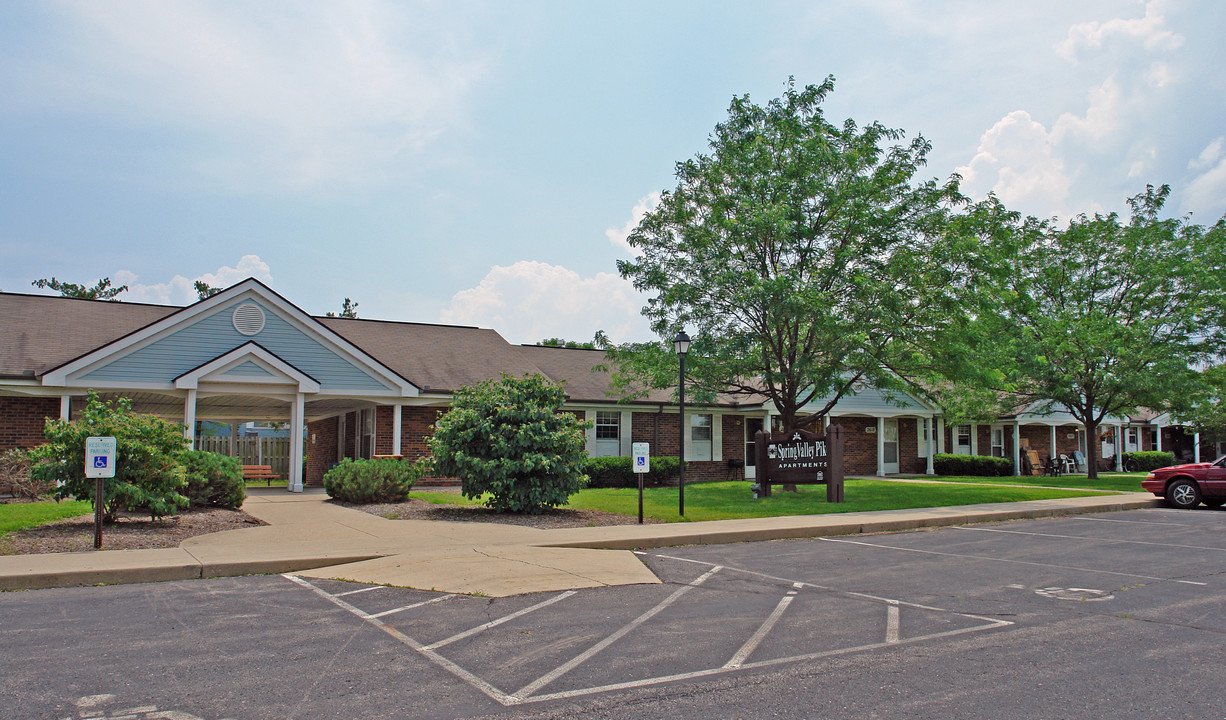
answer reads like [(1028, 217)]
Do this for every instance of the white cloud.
[(1149, 31), (302, 95), (1205, 193), (1016, 160), (644, 206), (182, 291), (530, 301), (1102, 117)]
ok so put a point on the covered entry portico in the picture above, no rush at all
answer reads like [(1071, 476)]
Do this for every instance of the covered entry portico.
[(245, 353)]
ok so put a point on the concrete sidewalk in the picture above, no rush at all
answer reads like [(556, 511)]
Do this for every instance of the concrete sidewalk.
[(311, 537)]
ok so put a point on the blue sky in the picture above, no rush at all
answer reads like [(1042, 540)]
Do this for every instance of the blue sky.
[(481, 162)]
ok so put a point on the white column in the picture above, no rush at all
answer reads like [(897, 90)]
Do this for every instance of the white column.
[(881, 446), (396, 428), (65, 407), (1158, 438), (1196, 447), (296, 422), (189, 417), (929, 430), (940, 435), (1053, 442), (1017, 448), (1119, 448)]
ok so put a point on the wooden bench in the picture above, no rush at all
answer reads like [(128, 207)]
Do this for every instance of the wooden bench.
[(259, 472)]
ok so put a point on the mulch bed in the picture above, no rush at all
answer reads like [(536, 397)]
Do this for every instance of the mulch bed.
[(128, 532), (550, 519)]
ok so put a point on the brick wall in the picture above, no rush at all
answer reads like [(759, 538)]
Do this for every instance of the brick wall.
[(22, 420), (859, 446), (659, 429), (320, 449)]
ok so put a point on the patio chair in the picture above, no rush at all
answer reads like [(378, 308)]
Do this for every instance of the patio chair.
[(1067, 464)]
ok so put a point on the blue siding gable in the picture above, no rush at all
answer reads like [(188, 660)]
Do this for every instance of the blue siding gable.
[(213, 335), (248, 368)]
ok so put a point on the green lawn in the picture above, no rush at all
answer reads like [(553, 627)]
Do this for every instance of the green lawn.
[(15, 516), (1122, 482), (730, 500)]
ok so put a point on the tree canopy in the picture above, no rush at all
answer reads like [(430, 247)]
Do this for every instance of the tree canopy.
[(205, 291), (101, 291), (802, 256), (349, 309), (1099, 317)]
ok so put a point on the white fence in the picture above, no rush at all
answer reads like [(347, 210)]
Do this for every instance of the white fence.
[(272, 451)]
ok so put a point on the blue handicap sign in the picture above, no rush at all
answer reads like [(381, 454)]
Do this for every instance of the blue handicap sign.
[(100, 461)]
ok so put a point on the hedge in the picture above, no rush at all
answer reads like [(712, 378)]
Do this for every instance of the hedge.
[(617, 472), (974, 465), (1150, 459), (375, 480)]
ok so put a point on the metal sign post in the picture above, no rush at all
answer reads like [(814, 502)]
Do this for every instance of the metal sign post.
[(641, 452), (100, 456)]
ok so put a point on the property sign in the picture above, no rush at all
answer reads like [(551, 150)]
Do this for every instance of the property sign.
[(100, 457), (641, 452), (798, 457)]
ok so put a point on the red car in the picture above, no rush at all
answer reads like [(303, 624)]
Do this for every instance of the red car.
[(1186, 486)]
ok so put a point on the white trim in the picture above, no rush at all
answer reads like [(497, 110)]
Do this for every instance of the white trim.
[(717, 437), (397, 428), (215, 370), (189, 417), (65, 407), (297, 418), (249, 288)]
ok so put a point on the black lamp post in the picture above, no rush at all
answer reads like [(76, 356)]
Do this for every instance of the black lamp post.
[(682, 345)]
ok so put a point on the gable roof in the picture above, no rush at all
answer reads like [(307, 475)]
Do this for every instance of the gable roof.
[(40, 332)]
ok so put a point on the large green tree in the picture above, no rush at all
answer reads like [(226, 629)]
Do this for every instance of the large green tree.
[(1101, 316), (803, 256)]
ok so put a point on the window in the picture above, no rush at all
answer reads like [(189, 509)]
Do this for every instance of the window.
[(998, 442), (962, 440), (366, 433), (608, 434), (700, 437)]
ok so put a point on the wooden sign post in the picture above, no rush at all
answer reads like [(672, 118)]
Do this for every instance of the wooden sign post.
[(798, 457)]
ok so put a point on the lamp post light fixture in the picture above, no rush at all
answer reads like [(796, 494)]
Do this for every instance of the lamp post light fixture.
[(682, 344)]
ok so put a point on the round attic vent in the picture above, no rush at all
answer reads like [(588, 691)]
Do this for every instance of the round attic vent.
[(248, 319)]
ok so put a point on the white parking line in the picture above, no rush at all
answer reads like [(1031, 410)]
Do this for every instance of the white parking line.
[(499, 621), (573, 663), (891, 623), (1151, 523), (752, 643), (1095, 539), (393, 611), (355, 592), (1004, 560)]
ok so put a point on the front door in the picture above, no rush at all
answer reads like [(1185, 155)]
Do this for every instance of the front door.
[(889, 442), (752, 425)]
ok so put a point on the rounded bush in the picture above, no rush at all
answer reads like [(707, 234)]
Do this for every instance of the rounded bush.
[(214, 479), (372, 481)]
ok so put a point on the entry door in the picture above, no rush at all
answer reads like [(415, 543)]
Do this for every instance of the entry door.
[(889, 441), (752, 425)]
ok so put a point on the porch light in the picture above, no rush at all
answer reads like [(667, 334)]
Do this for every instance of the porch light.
[(681, 343)]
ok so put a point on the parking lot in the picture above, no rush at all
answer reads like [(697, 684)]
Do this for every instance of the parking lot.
[(1119, 615)]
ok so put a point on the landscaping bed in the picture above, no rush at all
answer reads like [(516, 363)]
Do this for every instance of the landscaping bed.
[(130, 532)]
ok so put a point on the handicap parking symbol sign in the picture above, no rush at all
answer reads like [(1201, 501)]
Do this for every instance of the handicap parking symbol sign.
[(100, 462)]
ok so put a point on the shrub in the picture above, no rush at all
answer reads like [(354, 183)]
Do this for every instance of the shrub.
[(617, 472), (214, 479), (372, 481), (510, 439), (974, 465), (1150, 459), (16, 477), (148, 471)]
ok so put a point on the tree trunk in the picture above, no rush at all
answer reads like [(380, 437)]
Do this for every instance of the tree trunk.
[(1091, 449)]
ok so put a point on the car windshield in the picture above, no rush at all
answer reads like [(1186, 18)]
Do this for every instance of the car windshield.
[(1220, 462)]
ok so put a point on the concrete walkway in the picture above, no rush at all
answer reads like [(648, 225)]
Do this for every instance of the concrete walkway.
[(311, 537)]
